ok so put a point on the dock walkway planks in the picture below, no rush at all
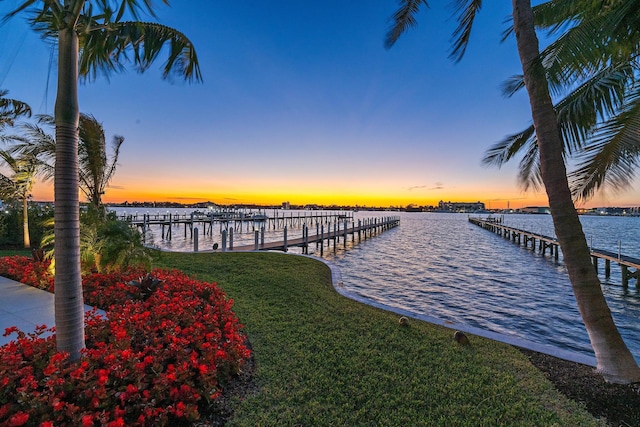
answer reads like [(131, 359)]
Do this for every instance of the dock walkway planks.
[(517, 236), (366, 229)]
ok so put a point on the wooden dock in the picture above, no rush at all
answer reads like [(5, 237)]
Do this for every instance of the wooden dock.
[(542, 243), (231, 218), (333, 232)]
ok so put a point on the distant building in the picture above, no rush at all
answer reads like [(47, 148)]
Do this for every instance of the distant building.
[(286, 205), (461, 206), (535, 210), (616, 211)]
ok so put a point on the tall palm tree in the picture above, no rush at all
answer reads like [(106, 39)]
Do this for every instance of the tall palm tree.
[(11, 109), (615, 361), (593, 68), (91, 36), (96, 167), (19, 185)]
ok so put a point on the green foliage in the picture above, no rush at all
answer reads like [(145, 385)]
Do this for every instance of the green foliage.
[(11, 224), (326, 360), (11, 109), (107, 242)]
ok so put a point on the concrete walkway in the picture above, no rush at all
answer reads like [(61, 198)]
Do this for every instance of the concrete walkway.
[(25, 307)]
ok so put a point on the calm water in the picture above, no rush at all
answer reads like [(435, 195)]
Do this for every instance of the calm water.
[(440, 265)]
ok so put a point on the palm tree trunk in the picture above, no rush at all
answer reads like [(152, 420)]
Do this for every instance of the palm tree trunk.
[(69, 306), (615, 361), (25, 222)]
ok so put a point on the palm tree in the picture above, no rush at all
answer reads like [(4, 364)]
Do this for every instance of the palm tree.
[(615, 361), (96, 170), (11, 109), (91, 36), (19, 185), (95, 167), (593, 66)]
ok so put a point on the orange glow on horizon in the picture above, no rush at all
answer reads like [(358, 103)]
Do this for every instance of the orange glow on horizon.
[(320, 196)]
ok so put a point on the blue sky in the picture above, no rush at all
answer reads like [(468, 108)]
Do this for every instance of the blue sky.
[(301, 102)]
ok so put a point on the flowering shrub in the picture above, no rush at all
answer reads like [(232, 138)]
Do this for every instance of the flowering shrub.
[(159, 361), (25, 270)]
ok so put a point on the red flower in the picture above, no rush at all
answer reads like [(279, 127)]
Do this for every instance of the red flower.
[(117, 423), (147, 362), (18, 419), (87, 420)]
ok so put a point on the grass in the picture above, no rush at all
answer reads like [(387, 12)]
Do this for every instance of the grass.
[(324, 360), (12, 252)]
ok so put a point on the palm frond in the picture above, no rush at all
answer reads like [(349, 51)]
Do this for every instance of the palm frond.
[(134, 8), (466, 10), (11, 109), (578, 115), (111, 170), (612, 157), (23, 168), (595, 99), (92, 155), (107, 47), (403, 19), (605, 37), (503, 151), (529, 176), (512, 85), (557, 15)]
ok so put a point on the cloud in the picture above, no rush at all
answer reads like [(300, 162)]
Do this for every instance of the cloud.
[(438, 186)]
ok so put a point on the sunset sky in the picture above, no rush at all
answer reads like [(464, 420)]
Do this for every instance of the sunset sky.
[(301, 103)]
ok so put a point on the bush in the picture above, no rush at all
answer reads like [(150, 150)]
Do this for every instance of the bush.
[(11, 224), (28, 271), (159, 361)]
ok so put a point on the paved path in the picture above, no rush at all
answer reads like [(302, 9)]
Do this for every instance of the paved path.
[(25, 307)]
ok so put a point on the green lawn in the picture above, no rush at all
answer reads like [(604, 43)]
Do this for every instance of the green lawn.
[(12, 252), (325, 360)]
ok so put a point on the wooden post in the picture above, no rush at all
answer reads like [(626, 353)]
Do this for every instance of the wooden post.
[(345, 233), (257, 235), (224, 240), (353, 231), (262, 237), (329, 234), (304, 236), (625, 275), (231, 238), (285, 238), (195, 239), (607, 268)]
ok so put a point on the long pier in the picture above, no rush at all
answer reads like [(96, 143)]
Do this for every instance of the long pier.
[(231, 218), (542, 243), (334, 232)]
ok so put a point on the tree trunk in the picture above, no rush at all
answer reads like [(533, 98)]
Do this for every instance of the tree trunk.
[(69, 305), (25, 222), (615, 361)]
